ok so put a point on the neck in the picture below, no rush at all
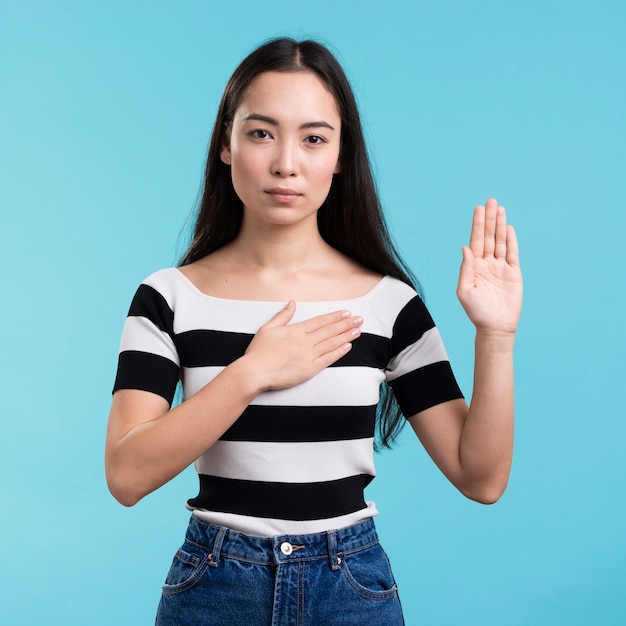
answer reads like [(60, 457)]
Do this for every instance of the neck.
[(277, 247)]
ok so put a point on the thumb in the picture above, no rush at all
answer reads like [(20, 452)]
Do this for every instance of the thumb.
[(466, 274), (283, 316)]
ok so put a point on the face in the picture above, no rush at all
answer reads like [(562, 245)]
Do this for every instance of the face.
[(283, 148)]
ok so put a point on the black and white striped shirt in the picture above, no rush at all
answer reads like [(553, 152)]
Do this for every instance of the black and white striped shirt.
[(298, 459)]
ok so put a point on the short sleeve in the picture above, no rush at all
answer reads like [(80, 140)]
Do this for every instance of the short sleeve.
[(419, 371), (148, 359)]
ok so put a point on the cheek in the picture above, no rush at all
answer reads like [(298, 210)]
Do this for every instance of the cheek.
[(322, 175), (245, 170)]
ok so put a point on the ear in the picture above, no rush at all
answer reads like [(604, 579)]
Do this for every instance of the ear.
[(337, 169), (225, 154)]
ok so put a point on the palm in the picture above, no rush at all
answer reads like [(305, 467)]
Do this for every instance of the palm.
[(490, 281)]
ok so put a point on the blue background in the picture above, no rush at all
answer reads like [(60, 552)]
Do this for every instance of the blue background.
[(105, 113)]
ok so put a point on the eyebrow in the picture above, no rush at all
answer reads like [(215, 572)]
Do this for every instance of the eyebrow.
[(274, 122)]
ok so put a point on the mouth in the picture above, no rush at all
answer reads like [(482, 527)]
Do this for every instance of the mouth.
[(283, 194)]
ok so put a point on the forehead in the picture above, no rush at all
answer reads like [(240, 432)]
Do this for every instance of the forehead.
[(300, 96)]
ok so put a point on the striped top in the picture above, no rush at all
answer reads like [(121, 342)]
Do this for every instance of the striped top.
[(298, 459)]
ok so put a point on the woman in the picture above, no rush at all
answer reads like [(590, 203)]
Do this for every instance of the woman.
[(281, 400)]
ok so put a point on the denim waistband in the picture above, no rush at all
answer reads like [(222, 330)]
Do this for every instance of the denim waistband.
[(223, 542)]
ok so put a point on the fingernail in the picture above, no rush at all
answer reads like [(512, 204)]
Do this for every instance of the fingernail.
[(290, 304), (345, 314), (357, 319)]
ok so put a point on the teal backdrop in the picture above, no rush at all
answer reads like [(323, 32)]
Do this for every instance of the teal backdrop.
[(105, 114)]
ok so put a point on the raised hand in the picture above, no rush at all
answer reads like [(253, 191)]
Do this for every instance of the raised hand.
[(490, 280), (289, 354)]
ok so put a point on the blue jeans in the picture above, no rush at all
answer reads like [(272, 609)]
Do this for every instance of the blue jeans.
[(220, 576)]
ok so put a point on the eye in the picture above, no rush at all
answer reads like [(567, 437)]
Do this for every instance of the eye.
[(260, 134), (315, 140)]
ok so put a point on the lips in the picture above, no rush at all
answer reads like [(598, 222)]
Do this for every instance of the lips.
[(283, 194)]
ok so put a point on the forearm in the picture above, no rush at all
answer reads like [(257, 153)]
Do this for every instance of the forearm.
[(155, 451), (486, 448)]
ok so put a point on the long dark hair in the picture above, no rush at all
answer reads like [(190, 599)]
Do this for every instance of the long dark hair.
[(350, 219)]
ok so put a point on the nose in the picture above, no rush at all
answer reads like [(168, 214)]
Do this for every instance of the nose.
[(284, 162)]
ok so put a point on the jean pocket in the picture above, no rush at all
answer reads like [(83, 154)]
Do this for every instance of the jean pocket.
[(369, 574), (188, 566)]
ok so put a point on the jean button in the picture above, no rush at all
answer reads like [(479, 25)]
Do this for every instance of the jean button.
[(286, 548)]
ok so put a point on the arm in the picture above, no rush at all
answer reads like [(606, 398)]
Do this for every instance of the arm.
[(474, 446), (148, 444)]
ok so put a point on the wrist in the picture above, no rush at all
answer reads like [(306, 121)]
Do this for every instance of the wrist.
[(249, 377), (495, 341)]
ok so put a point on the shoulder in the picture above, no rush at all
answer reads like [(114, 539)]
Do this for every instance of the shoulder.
[(170, 284), (162, 279), (392, 296), (398, 309), (161, 296), (397, 289)]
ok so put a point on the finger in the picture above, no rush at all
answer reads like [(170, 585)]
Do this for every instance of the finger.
[(512, 250), (344, 327), (347, 333), (501, 230), (477, 236), (466, 274), (333, 347), (320, 321), (328, 358), (283, 316), (491, 212)]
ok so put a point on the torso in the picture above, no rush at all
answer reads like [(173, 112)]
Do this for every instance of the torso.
[(289, 443)]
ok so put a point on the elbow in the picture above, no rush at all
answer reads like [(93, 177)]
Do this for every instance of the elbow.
[(124, 496), (122, 490), (488, 493), (125, 499), (488, 497), (126, 483)]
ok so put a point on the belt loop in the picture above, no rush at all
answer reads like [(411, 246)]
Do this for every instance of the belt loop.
[(335, 561), (214, 557)]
